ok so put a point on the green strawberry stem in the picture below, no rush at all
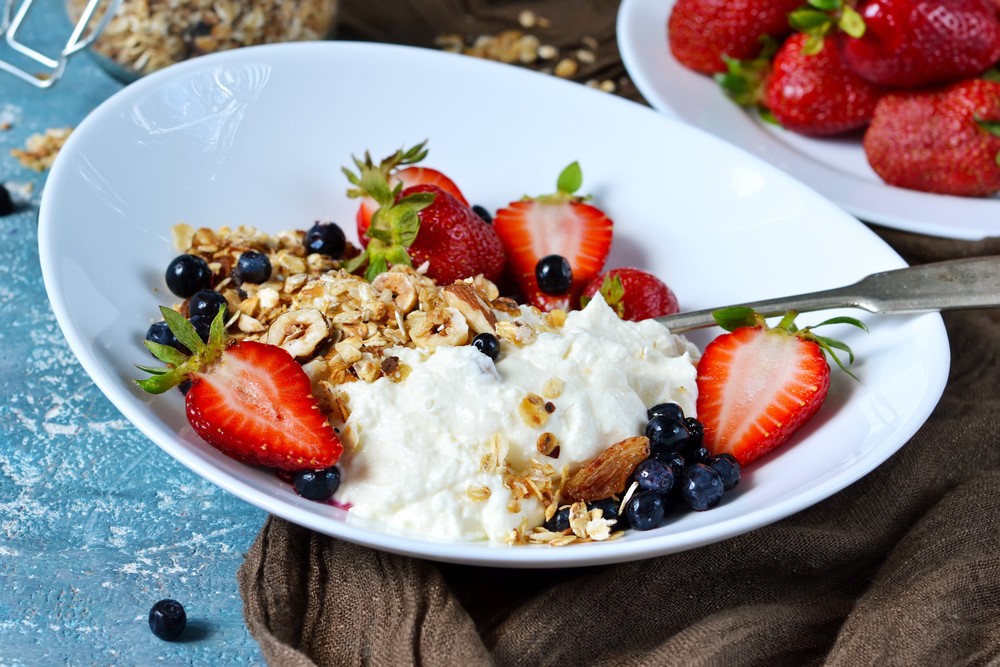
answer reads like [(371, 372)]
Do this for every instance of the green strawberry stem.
[(401, 158), (613, 292), (181, 365), (734, 317), (820, 17), (569, 181)]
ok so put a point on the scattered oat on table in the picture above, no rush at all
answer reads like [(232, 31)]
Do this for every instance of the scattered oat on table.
[(40, 150)]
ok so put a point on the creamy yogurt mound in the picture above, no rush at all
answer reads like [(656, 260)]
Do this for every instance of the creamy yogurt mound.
[(435, 455)]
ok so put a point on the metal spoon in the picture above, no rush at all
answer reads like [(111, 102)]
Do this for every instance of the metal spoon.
[(949, 285)]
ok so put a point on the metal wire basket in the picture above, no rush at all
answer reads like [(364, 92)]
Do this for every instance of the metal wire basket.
[(84, 32)]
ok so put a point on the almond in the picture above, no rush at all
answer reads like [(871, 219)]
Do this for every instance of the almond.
[(607, 473)]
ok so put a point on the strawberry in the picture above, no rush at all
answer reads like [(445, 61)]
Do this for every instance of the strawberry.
[(398, 168), (813, 92), (424, 223), (560, 224), (702, 32), (945, 140), (633, 293), (251, 401), (758, 385), (914, 43)]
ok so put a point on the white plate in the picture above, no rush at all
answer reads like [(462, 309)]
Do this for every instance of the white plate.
[(257, 136), (835, 167)]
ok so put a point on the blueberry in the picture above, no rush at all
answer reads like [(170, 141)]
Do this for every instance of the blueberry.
[(488, 344), (671, 410), (696, 454), (728, 468), (326, 238), (655, 476), (252, 267), (554, 274), (559, 521), (159, 332), (202, 324), (608, 507), (701, 487), (676, 462), (696, 430), (317, 484), (666, 435), (645, 510), (482, 213), (6, 202), (207, 302), (187, 274), (184, 387), (167, 619)]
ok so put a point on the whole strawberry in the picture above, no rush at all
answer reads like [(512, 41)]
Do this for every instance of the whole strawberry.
[(399, 168), (422, 224), (815, 93), (758, 385), (633, 293), (945, 141), (913, 43), (251, 401), (701, 32)]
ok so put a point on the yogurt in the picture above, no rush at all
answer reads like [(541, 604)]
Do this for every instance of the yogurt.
[(442, 455)]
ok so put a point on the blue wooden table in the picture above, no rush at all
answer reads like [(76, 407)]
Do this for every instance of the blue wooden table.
[(96, 522)]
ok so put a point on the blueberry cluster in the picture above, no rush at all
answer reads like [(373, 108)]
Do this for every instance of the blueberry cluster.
[(679, 471)]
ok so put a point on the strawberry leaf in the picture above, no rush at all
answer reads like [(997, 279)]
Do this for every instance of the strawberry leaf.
[(743, 80), (853, 321), (991, 126), (613, 292), (826, 5), (570, 179), (851, 22), (182, 330), (828, 345), (810, 21), (376, 266), (165, 353), (734, 317), (992, 74), (813, 44)]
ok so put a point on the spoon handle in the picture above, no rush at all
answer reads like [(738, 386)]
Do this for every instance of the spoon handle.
[(949, 285)]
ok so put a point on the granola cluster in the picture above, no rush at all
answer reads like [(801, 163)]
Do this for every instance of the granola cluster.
[(147, 35), (40, 150)]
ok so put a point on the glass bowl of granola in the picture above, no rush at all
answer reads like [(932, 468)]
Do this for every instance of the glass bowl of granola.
[(147, 35)]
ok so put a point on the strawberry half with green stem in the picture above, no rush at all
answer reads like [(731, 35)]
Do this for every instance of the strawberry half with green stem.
[(422, 224), (758, 385), (944, 140), (561, 223), (398, 168), (633, 293), (251, 401)]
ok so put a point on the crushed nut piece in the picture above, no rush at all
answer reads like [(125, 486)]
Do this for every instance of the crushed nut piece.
[(532, 411), (548, 445), (565, 68), (40, 150)]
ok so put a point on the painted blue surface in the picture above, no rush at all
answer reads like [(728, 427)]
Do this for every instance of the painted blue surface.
[(96, 523)]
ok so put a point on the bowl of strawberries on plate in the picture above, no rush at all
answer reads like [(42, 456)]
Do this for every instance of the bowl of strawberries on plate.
[(916, 78)]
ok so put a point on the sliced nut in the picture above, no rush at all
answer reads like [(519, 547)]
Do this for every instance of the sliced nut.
[(607, 473), (404, 294), (299, 332), (463, 298), (444, 326), (486, 287)]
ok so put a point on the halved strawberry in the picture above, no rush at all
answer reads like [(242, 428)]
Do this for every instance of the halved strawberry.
[(758, 385), (557, 224), (397, 169), (250, 400)]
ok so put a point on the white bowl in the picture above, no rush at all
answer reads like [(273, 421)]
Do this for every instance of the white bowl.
[(257, 136)]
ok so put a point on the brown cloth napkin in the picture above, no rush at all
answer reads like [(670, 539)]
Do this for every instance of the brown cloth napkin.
[(901, 568)]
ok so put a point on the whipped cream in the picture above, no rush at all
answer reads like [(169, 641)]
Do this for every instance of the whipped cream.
[(432, 454)]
